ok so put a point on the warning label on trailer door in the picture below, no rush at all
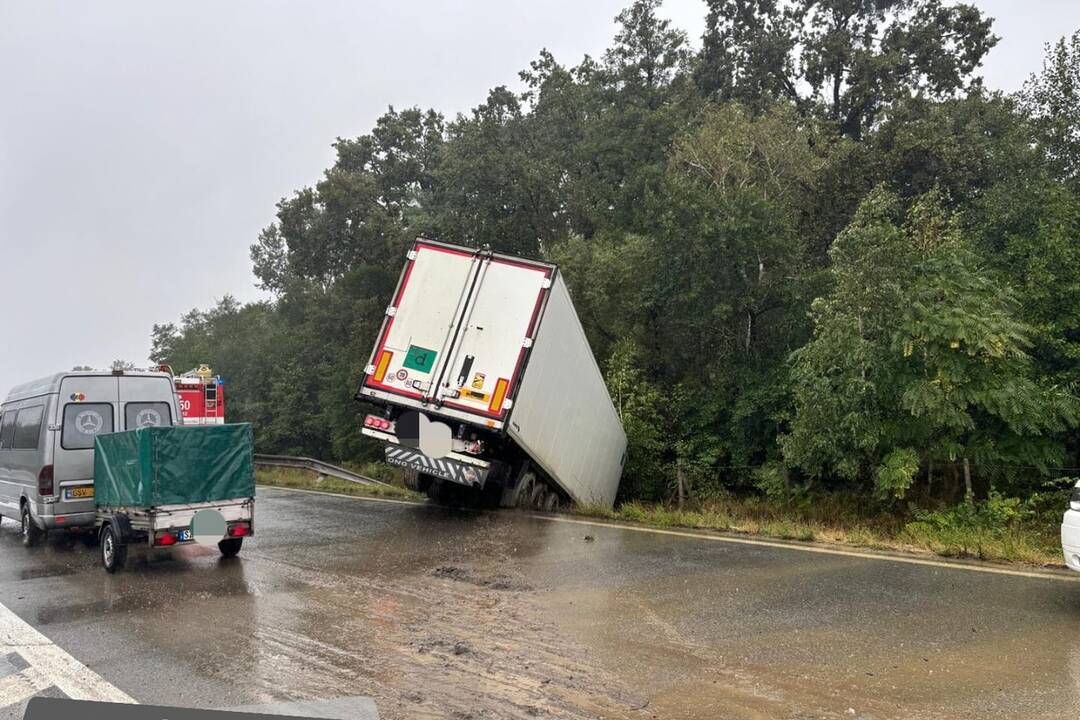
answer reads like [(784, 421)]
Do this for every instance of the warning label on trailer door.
[(420, 359)]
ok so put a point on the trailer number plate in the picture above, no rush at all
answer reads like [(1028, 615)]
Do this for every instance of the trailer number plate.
[(78, 493), (183, 535)]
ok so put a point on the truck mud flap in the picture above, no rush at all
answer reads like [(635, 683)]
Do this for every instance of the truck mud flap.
[(442, 468)]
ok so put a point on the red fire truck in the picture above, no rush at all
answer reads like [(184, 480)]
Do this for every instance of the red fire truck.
[(202, 397)]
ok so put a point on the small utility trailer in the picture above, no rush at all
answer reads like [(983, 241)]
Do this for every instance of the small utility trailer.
[(164, 487)]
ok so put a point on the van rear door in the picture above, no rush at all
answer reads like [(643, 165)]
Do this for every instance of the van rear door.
[(146, 401), (88, 406)]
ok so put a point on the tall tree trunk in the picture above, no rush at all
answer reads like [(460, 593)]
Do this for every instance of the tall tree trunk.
[(969, 494), (681, 479), (930, 478)]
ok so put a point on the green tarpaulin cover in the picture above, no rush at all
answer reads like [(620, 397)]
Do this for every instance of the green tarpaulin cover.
[(155, 466)]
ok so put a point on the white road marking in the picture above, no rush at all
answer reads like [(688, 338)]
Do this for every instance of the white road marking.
[(1060, 576), (823, 550), (49, 665), (22, 686)]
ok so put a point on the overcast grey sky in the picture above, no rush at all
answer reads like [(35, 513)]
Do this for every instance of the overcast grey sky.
[(144, 145)]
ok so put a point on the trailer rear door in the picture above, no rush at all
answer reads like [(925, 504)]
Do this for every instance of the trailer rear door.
[(456, 337)]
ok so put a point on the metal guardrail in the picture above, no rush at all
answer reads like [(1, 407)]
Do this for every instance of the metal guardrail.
[(323, 468)]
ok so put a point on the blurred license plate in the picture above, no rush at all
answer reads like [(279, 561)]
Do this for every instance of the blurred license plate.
[(78, 493), (183, 535)]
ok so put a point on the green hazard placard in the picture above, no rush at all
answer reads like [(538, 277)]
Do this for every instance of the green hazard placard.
[(420, 359)]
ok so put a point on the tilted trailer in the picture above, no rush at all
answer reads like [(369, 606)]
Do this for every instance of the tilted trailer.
[(482, 357)]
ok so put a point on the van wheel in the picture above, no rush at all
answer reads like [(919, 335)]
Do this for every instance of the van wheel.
[(230, 547), (113, 550), (31, 533)]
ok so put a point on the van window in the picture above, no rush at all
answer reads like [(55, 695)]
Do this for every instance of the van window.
[(146, 414), (7, 430), (27, 428), (84, 421)]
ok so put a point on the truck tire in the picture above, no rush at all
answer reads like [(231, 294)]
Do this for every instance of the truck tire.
[(411, 480), (113, 549), (538, 496), (31, 533), (523, 491), (230, 547)]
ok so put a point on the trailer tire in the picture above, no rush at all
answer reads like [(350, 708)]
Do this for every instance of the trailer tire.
[(538, 496), (230, 547), (523, 490), (31, 533), (113, 549), (551, 502)]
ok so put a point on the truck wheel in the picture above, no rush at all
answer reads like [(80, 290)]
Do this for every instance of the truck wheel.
[(551, 502), (113, 550), (230, 547), (31, 533), (538, 496), (411, 480), (523, 491)]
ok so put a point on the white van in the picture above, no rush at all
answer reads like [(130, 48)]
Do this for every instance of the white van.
[(47, 430)]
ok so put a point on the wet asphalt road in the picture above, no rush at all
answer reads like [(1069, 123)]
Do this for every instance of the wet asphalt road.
[(445, 614)]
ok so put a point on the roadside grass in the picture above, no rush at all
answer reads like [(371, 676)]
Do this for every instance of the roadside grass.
[(847, 520), (827, 518), (308, 480)]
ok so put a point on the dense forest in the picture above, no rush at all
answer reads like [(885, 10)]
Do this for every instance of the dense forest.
[(817, 254)]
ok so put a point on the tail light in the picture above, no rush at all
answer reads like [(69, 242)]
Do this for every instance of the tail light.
[(165, 539), (377, 423), (45, 480), (239, 531)]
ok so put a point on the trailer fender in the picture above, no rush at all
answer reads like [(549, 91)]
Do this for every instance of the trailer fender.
[(122, 525)]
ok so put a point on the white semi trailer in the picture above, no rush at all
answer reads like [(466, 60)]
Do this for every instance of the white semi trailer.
[(488, 385)]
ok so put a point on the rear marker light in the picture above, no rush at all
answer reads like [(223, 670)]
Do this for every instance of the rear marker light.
[(165, 539), (384, 363), (499, 395), (238, 531)]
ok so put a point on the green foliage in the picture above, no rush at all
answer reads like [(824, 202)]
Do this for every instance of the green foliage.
[(991, 518), (854, 57), (896, 474), (1052, 100), (641, 408), (916, 347)]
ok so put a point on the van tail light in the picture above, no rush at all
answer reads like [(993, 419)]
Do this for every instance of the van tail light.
[(377, 423), (45, 480)]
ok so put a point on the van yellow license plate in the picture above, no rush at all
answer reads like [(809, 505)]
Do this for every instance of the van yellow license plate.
[(79, 493)]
